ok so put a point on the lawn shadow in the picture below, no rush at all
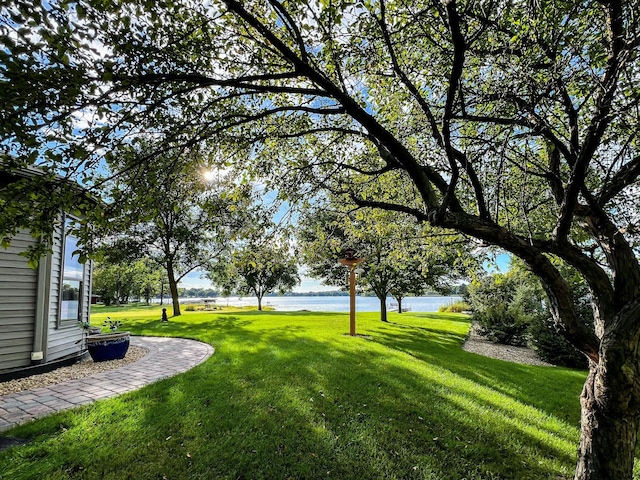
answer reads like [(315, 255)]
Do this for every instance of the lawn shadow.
[(533, 385), (287, 313), (278, 403)]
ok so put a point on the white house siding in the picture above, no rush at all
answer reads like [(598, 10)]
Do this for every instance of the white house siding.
[(18, 294), (64, 339)]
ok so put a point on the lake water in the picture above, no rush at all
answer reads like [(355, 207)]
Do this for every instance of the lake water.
[(332, 304)]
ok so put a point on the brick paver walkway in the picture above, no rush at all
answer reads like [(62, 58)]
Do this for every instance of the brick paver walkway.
[(167, 357)]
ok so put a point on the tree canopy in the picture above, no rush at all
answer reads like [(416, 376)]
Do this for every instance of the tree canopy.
[(168, 211), (401, 256), (514, 123)]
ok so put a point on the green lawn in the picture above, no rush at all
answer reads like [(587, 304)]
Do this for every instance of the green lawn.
[(289, 395)]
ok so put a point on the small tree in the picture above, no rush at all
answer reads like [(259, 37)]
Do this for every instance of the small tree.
[(147, 277), (413, 278), (257, 269), (112, 282)]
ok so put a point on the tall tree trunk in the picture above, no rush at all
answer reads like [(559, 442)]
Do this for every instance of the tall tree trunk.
[(259, 303), (610, 420), (383, 308), (399, 299), (173, 288)]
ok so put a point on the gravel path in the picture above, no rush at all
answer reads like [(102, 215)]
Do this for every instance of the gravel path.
[(480, 345)]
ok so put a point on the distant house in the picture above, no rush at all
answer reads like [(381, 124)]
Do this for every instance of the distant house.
[(40, 308)]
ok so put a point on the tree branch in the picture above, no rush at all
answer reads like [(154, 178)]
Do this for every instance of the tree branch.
[(623, 178), (413, 90), (420, 215), (459, 47), (599, 121), (560, 298), (293, 28), (422, 178), (246, 82)]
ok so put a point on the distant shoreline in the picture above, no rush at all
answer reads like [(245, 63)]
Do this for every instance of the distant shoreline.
[(325, 303), (336, 293)]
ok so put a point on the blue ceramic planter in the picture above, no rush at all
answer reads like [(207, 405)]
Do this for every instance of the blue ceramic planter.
[(108, 346)]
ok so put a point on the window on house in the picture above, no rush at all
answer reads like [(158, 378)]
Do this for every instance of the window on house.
[(71, 281)]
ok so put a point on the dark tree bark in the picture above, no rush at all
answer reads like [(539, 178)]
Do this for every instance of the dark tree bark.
[(610, 404), (383, 307), (609, 423), (259, 302), (173, 288)]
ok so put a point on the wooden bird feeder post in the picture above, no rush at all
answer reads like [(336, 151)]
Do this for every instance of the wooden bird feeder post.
[(351, 262)]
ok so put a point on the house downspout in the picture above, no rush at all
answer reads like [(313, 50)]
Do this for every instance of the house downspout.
[(40, 328), (89, 269)]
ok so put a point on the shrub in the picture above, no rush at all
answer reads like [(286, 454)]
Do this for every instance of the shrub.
[(455, 307), (194, 307), (512, 309), (504, 307), (501, 325), (552, 347)]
